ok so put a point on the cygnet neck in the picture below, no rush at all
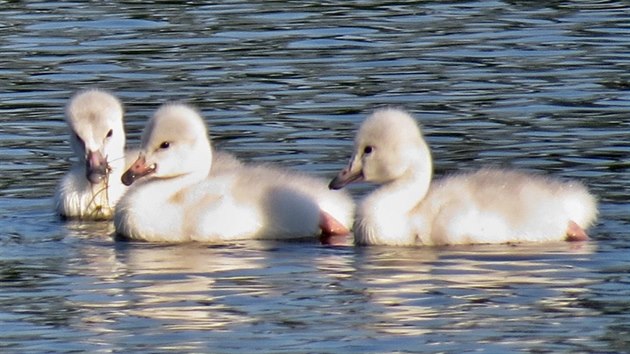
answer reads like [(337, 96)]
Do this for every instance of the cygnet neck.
[(385, 213), (408, 190)]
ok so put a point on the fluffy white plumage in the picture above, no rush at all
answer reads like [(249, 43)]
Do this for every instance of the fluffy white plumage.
[(175, 199), (92, 187), (486, 206)]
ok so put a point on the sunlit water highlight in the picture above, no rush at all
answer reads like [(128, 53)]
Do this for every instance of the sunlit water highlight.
[(537, 86)]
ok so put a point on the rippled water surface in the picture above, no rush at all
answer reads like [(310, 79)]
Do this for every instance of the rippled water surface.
[(538, 86)]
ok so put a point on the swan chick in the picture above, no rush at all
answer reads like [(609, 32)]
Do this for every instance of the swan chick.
[(485, 206), (92, 187), (177, 195)]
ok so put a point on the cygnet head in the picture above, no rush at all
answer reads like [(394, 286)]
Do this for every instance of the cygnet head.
[(174, 143), (95, 118), (388, 146)]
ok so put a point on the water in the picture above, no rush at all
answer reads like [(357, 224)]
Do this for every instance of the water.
[(538, 86)]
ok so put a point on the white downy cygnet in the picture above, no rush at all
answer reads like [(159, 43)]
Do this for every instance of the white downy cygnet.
[(486, 206), (92, 187), (174, 198)]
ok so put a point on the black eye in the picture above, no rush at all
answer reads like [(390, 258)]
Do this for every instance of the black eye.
[(110, 133), (165, 145), (368, 150)]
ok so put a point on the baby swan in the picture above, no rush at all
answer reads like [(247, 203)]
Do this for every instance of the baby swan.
[(487, 206), (97, 138), (179, 196)]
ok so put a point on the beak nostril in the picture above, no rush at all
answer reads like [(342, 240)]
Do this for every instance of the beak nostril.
[(137, 170)]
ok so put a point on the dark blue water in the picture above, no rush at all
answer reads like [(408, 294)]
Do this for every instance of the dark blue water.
[(539, 86)]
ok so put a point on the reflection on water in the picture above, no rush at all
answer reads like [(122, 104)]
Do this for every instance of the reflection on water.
[(368, 298), (539, 86), (175, 285)]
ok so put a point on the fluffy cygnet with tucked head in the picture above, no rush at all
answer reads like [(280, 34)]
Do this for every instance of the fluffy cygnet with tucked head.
[(92, 187), (486, 206), (175, 199)]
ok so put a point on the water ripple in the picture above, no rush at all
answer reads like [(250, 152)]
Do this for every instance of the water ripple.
[(538, 86)]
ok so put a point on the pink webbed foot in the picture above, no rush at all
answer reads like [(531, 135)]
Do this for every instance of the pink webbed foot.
[(576, 233), (333, 232)]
